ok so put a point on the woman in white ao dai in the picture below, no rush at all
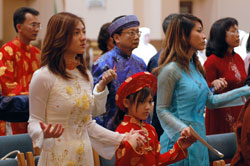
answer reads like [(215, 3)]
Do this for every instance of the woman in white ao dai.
[(62, 100)]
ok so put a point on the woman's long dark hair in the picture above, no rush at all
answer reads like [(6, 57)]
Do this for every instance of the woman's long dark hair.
[(177, 45), (135, 98), (57, 40), (217, 44)]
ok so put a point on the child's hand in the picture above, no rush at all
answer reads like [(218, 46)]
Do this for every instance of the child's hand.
[(135, 139), (51, 132), (186, 132), (107, 77), (185, 142)]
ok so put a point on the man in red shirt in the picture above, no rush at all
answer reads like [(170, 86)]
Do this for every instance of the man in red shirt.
[(18, 61)]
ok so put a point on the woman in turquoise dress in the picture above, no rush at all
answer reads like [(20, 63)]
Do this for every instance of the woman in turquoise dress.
[(182, 89)]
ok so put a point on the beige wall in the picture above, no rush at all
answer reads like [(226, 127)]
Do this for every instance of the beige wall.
[(94, 18), (45, 7), (150, 12), (211, 10), (9, 6)]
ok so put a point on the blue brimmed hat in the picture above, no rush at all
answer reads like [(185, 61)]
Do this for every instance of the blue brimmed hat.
[(123, 23)]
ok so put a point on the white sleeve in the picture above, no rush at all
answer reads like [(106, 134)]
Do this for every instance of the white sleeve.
[(100, 99), (104, 141), (39, 89)]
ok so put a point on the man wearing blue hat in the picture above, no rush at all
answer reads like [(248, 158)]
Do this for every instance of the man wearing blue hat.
[(125, 32)]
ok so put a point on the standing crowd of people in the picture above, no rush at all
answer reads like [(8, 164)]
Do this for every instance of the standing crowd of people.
[(72, 110)]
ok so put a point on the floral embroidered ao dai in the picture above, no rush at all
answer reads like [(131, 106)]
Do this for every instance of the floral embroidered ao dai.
[(230, 67), (70, 103)]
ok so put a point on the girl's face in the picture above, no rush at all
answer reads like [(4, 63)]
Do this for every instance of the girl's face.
[(140, 110), (78, 42), (233, 37), (197, 37)]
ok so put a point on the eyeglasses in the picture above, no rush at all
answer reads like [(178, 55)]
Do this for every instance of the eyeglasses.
[(235, 32), (133, 33), (35, 25)]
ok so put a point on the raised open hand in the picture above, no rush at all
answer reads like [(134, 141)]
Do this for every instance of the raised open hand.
[(51, 132)]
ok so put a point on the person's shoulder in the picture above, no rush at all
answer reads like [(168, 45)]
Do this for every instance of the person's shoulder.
[(138, 59), (8, 44), (213, 56), (171, 69), (108, 55), (172, 66), (212, 59), (122, 128), (35, 48), (43, 73)]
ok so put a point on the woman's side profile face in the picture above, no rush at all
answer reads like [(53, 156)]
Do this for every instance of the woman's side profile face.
[(78, 43), (232, 36), (197, 37)]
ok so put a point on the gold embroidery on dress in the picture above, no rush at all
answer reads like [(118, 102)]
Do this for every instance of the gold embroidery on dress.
[(2, 70), (9, 50), (121, 152), (27, 54), (70, 163), (69, 90), (1, 55), (18, 56), (34, 65), (9, 65), (29, 77), (11, 94), (124, 123), (158, 148), (24, 93), (58, 159), (38, 57), (80, 150), (25, 65), (11, 85), (23, 81), (17, 43)]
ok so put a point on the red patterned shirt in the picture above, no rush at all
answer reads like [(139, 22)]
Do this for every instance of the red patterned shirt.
[(18, 62), (149, 155)]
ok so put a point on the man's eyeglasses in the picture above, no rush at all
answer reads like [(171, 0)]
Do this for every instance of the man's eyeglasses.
[(133, 33), (35, 25)]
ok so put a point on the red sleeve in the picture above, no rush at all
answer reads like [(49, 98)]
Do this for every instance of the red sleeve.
[(210, 66), (10, 86), (172, 156), (124, 154)]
